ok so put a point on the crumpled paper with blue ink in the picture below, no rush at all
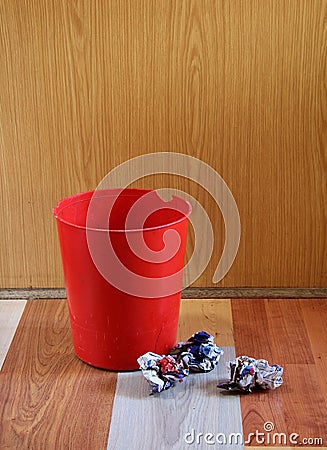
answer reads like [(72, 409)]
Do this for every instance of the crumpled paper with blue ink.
[(161, 371), (200, 350), (198, 354), (248, 373)]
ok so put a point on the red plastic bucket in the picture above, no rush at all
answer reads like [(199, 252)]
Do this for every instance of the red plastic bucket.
[(123, 299)]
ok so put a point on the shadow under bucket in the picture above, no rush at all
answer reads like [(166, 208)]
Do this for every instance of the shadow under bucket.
[(123, 257)]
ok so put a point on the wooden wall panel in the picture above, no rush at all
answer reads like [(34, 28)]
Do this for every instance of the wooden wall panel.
[(85, 85)]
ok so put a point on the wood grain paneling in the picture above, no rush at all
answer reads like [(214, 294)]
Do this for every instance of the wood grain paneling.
[(85, 85)]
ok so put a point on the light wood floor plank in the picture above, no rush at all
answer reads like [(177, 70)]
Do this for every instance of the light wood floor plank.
[(10, 314), (211, 315), (163, 421)]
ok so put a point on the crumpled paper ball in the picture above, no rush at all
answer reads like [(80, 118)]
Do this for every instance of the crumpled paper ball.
[(200, 352), (161, 371), (247, 373)]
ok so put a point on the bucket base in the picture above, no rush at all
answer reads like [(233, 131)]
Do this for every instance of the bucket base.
[(109, 369), (104, 351)]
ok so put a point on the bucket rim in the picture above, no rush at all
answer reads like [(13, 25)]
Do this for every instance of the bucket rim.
[(60, 207)]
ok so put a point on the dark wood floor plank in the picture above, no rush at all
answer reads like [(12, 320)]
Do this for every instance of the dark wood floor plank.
[(288, 334), (250, 330), (303, 404), (315, 318), (251, 337), (303, 401), (259, 408), (278, 331), (50, 399)]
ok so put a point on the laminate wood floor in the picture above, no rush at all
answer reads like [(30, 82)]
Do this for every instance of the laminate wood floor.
[(51, 400)]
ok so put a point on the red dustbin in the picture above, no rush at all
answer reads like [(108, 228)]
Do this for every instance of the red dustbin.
[(123, 256)]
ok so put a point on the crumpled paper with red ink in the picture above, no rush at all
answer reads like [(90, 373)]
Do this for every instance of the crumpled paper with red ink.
[(161, 371), (199, 354)]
